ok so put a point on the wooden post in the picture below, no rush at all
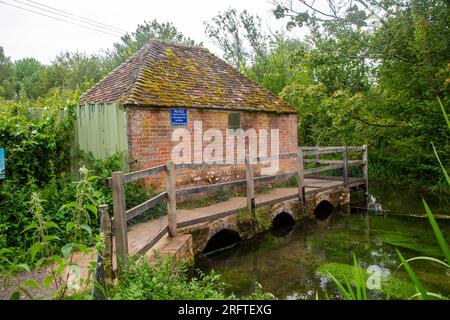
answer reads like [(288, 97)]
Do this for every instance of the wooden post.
[(366, 171), (301, 178), (106, 230), (345, 163), (317, 155), (250, 187), (120, 219), (171, 199), (102, 273)]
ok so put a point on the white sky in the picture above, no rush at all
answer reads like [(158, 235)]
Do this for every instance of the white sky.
[(25, 34)]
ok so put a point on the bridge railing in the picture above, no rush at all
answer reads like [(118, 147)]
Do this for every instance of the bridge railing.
[(119, 179)]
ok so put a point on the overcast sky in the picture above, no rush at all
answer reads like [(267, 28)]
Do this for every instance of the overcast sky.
[(25, 34)]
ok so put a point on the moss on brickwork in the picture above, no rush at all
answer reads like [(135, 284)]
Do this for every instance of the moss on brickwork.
[(262, 222)]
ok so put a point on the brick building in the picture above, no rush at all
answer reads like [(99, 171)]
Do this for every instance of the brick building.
[(166, 86)]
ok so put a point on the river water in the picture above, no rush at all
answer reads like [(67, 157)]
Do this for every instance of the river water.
[(293, 262)]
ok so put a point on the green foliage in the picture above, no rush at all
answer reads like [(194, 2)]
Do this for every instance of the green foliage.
[(47, 249), (166, 280), (422, 291), (37, 144), (135, 192), (7, 76), (31, 77), (37, 140), (75, 71), (143, 281), (371, 75), (239, 35)]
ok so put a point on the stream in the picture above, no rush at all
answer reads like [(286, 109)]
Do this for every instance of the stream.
[(292, 262)]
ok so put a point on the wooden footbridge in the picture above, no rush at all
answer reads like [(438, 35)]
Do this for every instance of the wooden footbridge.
[(168, 233)]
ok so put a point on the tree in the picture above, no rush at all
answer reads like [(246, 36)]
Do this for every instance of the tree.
[(239, 36), (75, 71), (6, 76), (31, 76), (390, 60), (284, 64)]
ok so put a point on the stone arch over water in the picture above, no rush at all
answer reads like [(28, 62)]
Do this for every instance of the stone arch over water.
[(283, 218), (220, 235), (323, 210)]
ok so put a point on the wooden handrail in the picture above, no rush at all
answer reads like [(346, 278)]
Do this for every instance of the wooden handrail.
[(350, 162), (150, 203), (119, 179)]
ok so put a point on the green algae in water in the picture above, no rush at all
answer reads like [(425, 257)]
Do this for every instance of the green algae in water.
[(285, 262), (393, 286), (286, 265)]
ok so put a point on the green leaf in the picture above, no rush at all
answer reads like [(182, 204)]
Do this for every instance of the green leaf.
[(86, 228), (39, 263), (442, 166), (32, 283), (15, 296), (445, 113), (81, 247), (51, 224), (431, 259), (5, 250), (68, 205), (47, 281), (67, 249), (31, 226), (437, 232), (413, 276), (69, 226), (23, 266), (91, 208), (51, 238), (432, 294), (35, 249), (340, 287)]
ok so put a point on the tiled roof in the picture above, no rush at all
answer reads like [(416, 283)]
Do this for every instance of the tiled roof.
[(164, 74)]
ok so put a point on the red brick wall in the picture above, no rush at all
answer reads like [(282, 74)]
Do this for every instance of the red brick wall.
[(150, 130)]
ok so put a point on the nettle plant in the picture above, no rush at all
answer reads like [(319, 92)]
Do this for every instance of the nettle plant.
[(64, 273)]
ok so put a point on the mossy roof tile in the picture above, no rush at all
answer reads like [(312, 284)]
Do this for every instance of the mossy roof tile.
[(165, 74)]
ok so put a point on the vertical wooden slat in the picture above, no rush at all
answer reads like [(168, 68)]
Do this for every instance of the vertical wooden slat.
[(106, 230), (250, 186), (120, 219), (345, 169), (317, 155), (301, 178), (366, 171), (171, 199)]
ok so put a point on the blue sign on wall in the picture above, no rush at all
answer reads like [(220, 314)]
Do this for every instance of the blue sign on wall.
[(2, 164), (178, 117)]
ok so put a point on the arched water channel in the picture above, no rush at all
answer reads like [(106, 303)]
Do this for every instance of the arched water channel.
[(287, 261)]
